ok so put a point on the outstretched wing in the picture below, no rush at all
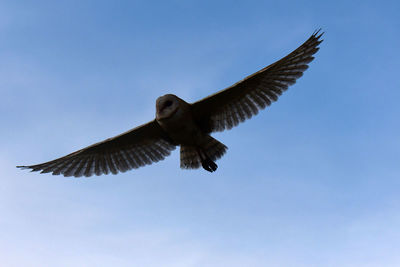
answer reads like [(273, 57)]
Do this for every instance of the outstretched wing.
[(241, 101), (140, 146)]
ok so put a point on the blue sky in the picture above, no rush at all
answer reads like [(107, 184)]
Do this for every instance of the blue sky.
[(314, 180)]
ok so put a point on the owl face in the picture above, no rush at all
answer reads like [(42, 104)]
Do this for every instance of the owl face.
[(166, 106)]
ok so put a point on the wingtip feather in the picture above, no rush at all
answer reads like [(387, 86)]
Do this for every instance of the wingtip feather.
[(23, 167), (317, 34)]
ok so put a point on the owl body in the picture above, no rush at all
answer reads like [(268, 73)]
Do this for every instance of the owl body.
[(175, 117), (197, 148)]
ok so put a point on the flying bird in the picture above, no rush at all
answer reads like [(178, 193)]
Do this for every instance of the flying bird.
[(188, 125)]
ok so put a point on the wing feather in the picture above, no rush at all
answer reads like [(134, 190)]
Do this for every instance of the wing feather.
[(140, 146), (229, 107)]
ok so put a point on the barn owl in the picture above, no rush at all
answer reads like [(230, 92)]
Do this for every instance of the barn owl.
[(188, 125)]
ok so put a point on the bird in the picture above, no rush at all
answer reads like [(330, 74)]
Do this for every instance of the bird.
[(188, 125)]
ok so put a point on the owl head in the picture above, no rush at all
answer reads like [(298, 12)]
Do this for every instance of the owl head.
[(166, 106)]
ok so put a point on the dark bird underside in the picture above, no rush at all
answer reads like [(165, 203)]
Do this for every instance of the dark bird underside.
[(223, 110)]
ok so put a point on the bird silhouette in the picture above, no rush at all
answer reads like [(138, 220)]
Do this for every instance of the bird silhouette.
[(189, 126)]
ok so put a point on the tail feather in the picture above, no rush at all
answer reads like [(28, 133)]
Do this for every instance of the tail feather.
[(205, 155)]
